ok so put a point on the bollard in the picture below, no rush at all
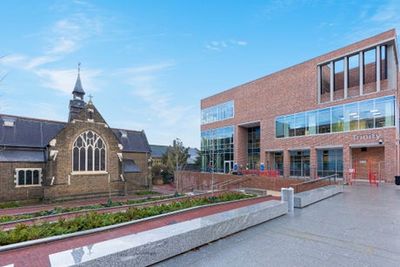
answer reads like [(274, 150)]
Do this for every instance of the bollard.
[(287, 195)]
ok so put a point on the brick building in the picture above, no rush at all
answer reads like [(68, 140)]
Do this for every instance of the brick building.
[(84, 157), (334, 114)]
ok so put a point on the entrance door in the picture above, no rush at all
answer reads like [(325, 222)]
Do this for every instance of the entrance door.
[(228, 164), (368, 161)]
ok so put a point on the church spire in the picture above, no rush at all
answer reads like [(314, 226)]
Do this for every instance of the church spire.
[(78, 91), (77, 103)]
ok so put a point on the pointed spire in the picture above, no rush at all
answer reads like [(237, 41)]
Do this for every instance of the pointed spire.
[(78, 89)]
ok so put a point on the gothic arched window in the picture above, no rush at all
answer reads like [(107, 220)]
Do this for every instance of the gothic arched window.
[(89, 153)]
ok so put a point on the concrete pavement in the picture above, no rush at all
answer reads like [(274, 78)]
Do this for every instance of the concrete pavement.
[(360, 227)]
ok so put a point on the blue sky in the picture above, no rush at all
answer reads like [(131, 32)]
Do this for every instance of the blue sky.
[(148, 63)]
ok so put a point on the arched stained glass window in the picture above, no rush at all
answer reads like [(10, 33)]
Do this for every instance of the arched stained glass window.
[(89, 153)]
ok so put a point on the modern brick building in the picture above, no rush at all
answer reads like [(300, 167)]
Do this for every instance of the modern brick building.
[(80, 158), (334, 114)]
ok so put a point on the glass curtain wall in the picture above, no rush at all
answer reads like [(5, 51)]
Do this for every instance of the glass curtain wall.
[(253, 147), (329, 162), (367, 114), (277, 164), (218, 113), (300, 163), (216, 148)]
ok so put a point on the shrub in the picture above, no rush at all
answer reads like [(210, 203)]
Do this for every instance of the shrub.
[(93, 219)]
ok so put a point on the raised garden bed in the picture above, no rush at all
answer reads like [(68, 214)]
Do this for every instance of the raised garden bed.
[(61, 210), (95, 220)]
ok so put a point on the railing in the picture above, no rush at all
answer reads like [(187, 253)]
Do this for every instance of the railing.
[(267, 173)]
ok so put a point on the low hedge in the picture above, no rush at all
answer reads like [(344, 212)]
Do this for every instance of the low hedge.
[(93, 220), (59, 210)]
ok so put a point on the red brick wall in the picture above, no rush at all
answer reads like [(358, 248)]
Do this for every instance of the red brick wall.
[(189, 181), (294, 90)]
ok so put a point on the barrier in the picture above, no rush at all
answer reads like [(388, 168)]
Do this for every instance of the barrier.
[(265, 173)]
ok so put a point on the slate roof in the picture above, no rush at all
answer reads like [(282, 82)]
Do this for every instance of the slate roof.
[(157, 151), (130, 166), (37, 133), (28, 132), (132, 141), (22, 155), (78, 89)]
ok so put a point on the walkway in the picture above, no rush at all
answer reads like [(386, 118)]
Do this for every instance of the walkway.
[(38, 255), (360, 227)]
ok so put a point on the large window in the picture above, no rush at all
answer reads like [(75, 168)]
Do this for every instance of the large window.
[(367, 114), (216, 148), (253, 147), (277, 162), (300, 163), (218, 113), (325, 82), (383, 62), (89, 153), (330, 161), (346, 74), (28, 177), (370, 66)]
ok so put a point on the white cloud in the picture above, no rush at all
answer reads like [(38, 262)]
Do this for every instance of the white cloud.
[(220, 45), (164, 118), (375, 19), (63, 80)]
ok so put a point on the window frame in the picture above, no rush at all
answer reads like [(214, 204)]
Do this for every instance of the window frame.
[(16, 173), (104, 150)]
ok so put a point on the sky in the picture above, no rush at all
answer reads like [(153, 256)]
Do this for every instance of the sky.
[(148, 63)]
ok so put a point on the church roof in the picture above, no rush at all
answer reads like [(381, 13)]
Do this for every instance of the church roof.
[(16, 155), (78, 89), (132, 141), (16, 131)]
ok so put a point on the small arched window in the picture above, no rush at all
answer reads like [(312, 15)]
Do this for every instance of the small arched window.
[(89, 153)]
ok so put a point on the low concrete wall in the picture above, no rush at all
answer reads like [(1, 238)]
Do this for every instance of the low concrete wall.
[(149, 247), (306, 198)]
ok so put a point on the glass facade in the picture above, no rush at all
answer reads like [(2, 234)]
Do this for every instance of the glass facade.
[(253, 147), (218, 113), (300, 163), (329, 162), (216, 148), (277, 163), (367, 114)]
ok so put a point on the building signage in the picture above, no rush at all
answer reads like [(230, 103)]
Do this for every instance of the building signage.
[(367, 136)]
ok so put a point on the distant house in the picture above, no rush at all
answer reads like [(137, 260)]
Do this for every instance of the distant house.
[(158, 151)]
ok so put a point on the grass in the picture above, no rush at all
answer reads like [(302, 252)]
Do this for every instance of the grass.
[(146, 192), (12, 204), (93, 220), (59, 210)]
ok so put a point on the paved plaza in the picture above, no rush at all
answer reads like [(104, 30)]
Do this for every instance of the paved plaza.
[(360, 227)]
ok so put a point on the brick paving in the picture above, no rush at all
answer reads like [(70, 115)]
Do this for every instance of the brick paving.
[(38, 255)]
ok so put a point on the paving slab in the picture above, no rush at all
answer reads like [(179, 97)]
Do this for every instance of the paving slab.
[(360, 227), (149, 247)]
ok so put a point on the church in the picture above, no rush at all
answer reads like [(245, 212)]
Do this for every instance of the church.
[(52, 160)]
